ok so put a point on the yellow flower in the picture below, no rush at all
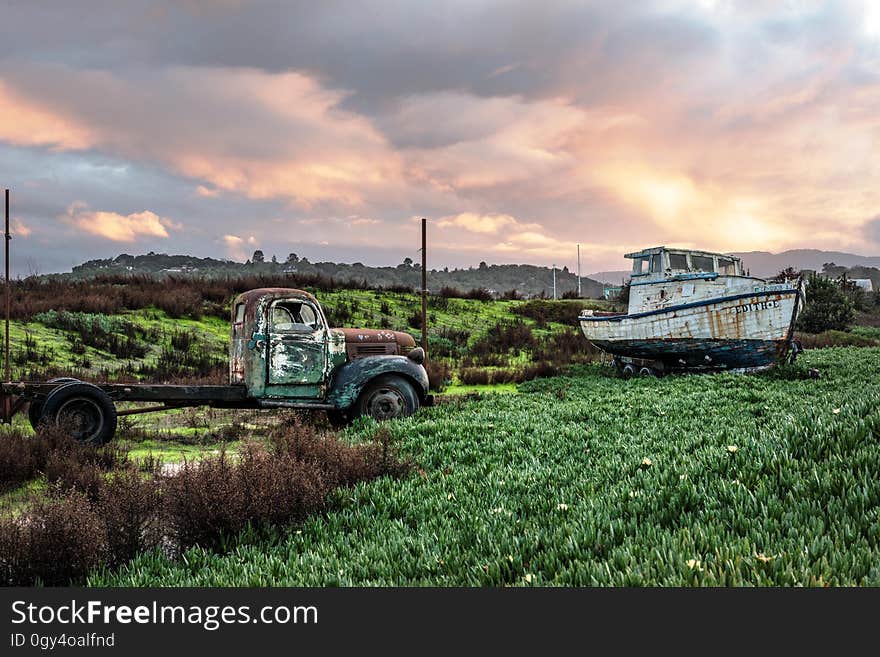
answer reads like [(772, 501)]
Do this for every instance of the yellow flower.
[(836, 411), (562, 507), (732, 449), (528, 578), (694, 564), (763, 558), (647, 462)]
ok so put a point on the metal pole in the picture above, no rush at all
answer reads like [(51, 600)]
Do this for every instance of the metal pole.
[(424, 287), (554, 281), (579, 271), (6, 399)]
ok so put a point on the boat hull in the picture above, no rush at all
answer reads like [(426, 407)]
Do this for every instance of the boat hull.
[(749, 330)]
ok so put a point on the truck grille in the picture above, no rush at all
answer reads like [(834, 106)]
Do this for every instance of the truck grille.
[(361, 350)]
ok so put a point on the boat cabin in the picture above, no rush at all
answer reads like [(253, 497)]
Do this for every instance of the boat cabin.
[(665, 277), (660, 263)]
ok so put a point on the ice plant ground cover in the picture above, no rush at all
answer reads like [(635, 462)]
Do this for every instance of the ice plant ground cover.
[(587, 479)]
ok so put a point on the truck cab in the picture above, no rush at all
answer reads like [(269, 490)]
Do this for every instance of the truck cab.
[(284, 352)]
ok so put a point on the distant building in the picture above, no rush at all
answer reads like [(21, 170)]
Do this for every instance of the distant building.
[(864, 283), (610, 291)]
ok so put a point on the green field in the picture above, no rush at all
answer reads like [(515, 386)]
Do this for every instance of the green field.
[(721, 479)]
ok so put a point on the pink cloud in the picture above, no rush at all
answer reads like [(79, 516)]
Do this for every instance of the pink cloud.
[(119, 228)]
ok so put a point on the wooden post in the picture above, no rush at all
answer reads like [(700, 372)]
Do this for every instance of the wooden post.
[(424, 287)]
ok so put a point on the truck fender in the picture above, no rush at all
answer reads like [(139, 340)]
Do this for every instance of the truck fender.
[(350, 379)]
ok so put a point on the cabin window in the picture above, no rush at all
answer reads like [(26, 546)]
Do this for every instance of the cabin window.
[(702, 263), (239, 314), (294, 317), (678, 261), (656, 263), (726, 266), (640, 266)]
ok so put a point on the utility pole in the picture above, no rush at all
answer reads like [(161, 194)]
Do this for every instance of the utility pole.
[(6, 407), (554, 281), (424, 287), (579, 271)]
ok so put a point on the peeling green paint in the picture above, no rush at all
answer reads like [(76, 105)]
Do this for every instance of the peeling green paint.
[(307, 365)]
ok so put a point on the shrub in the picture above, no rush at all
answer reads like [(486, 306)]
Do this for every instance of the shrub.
[(504, 337), (565, 347), (21, 458), (439, 374), (479, 294), (448, 292), (474, 376), (835, 339), (542, 311), (55, 541), (827, 307), (129, 506)]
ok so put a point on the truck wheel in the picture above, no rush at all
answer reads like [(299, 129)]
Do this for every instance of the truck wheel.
[(84, 409), (35, 408), (387, 397)]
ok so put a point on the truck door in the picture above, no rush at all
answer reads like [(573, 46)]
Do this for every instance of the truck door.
[(297, 344)]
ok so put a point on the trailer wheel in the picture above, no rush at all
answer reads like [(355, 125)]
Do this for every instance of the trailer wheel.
[(628, 371), (647, 371), (35, 408), (83, 408), (387, 397)]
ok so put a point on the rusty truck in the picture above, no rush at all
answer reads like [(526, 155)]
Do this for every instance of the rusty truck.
[(282, 354)]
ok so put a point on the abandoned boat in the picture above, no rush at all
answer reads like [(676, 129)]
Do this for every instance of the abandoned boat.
[(697, 310)]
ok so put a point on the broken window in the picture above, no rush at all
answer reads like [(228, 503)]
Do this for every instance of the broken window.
[(655, 263), (678, 261), (640, 265), (294, 317), (726, 266), (703, 263)]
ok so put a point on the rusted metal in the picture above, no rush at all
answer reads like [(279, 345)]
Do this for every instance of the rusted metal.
[(695, 309), (146, 409)]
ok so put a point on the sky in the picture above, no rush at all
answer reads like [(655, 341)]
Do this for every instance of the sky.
[(518, 128)]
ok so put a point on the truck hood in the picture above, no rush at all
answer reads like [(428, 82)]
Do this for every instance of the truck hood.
[(376, 336)]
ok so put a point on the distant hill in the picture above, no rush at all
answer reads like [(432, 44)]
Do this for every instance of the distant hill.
[(762, 263), (528, 280), (766, 264), (611, 277)]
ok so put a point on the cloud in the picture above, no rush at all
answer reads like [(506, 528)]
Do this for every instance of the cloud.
[(479, 223), (283, 135), (117, 227), (234, 247), (25, 123), (207, 192), (19, 228), (520, 128)]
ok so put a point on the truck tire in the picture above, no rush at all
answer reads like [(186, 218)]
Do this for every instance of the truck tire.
[(84, 409), (387, 397), (35, 408)]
